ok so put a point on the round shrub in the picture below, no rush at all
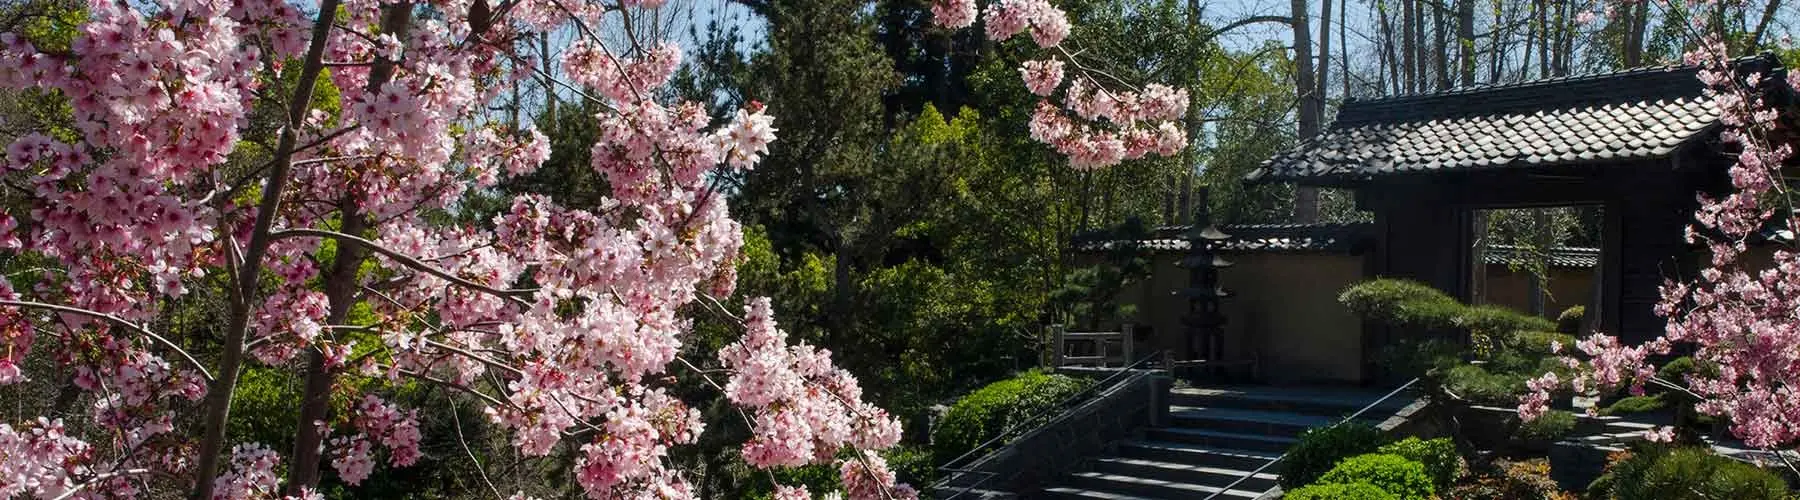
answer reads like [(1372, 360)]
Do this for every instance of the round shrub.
[(1569, 321), (1319, 449), (1691, 473), (1478, 385), (983, 414), (1539, 343), (1340, 491), (1392, 473), (1439, 457)]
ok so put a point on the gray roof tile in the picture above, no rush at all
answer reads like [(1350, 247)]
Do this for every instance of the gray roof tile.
[(1629, 115)]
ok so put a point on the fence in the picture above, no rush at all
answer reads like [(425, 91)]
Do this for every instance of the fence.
[(1097, 343)]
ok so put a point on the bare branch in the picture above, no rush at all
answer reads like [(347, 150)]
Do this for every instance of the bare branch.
[(122, 322), (512, 294)]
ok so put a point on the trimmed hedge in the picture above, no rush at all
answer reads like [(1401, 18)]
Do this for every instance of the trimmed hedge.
[(1340, 491), (1662, 473), (1439, 457), (1392, 473), (986, 412), (1402, 303), (1321, 448), (1635, 404)]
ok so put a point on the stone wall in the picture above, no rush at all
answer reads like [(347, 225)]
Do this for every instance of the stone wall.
[(1035, 459)]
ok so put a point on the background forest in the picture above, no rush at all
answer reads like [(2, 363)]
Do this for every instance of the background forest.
[(905, 221)]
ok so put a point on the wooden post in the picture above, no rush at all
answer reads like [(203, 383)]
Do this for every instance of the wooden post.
[(1056, 346), (1125, 344)]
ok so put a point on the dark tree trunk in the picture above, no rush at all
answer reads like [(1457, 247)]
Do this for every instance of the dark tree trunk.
[(1306, 198)]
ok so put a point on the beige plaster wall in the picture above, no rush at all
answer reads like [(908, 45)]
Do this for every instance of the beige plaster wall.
[(1285, 314)]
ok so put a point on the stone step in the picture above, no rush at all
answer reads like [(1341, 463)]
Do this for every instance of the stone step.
[(972, 494), (1232, 440), (1267, 423), (1329, 402), (1184, 473), (1078, 493), (1203, 456), (1148, 487)]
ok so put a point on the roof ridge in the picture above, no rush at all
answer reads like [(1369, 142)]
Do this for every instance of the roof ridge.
[(1774, 62)]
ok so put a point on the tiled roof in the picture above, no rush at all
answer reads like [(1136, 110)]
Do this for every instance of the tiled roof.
[(1570, 257), (1344, 238), (1630, 115)]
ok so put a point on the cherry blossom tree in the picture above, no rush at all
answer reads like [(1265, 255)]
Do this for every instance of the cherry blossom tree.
[(560, 319), (1737, 316)]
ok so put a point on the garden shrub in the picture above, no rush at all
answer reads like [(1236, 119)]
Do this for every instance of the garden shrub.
[(1677, 370), (1442, 463), (1569, 322), (1551, 426), (1392, 473), (1402, 303), (1476, 384), (1319, 449), (1635, 404), (1500, 322), (1340, 491), (984, 413), (1659, 472), (1538, 343)]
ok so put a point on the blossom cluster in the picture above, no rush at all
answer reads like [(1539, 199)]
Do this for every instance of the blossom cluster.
[(575, 311), (1734, 315), (1094, 126)]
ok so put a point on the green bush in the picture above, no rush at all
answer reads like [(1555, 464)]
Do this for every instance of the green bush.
[(1439, 457), (1319, 449), (1569, 322), (1538, 343), (1661, 473), (1392, 473), (1340, 491), (1478, 385), (1551, 426), (986, 412), (1499, 321), (1402, 303), (1635, 404)]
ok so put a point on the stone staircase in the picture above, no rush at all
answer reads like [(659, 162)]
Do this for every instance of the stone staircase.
[(1213, 437)]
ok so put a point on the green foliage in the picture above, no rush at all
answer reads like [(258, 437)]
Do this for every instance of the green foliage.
[(1635, 404), (1662, 473), (1551, 426), (1319, 449), (986, 412), (1392, 473), (1569, 321), (1340, 491), (1497, 321), (1537, 343), (912, 464), (1677, 370), (1439, 457), (1403, 303), (1477, 385)]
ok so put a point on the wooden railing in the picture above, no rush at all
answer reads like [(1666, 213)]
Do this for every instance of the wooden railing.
[(1100, 344)]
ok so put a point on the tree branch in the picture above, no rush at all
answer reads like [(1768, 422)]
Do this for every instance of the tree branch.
[(116, 321), (512, 294)]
